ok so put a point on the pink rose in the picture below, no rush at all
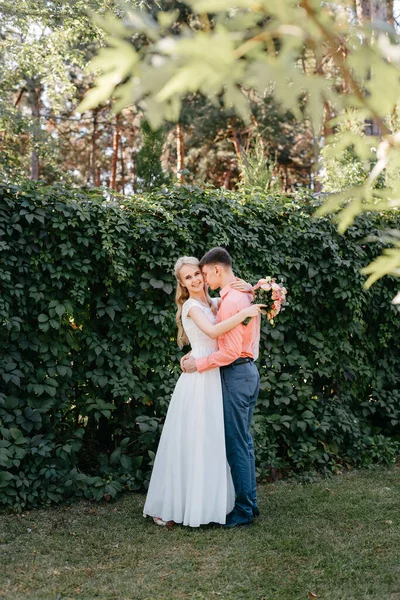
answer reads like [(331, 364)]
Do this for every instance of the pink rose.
[(265, 284)]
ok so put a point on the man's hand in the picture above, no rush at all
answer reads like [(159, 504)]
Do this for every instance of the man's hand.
[(190, 365), (183, 361)]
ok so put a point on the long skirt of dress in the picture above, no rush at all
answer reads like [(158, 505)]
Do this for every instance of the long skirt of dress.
[(191, 481)]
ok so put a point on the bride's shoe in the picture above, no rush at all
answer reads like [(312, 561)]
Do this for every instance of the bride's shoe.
[(159, 521)]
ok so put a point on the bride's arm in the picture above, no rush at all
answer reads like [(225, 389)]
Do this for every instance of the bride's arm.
[(214, 331)]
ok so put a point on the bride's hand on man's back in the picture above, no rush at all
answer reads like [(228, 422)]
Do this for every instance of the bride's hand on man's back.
[(241, 285), (183, 361)]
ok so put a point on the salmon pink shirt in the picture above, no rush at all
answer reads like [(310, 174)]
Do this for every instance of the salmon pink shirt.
[(239, 341)]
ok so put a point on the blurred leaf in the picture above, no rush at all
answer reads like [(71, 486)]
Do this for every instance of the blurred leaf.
[(116, 62), (386, 264)]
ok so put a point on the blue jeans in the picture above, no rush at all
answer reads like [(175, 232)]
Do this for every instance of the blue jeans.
[(240, 385)]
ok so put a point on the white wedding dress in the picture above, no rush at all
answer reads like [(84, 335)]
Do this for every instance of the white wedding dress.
[(191, 481)]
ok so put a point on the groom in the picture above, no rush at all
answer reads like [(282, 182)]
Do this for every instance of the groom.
[(240, 383)]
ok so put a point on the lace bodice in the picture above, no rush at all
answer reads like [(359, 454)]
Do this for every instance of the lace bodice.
[(201, 344)]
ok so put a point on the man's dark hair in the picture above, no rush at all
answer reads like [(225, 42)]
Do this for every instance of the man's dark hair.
[(216, 256)]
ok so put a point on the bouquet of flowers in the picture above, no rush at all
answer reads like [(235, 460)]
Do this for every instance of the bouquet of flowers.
[(270, 293)]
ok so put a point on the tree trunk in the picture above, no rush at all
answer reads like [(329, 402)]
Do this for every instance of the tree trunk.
[(374, 10), (122, 169), (390, 13), (326, 127), (180, 153), (236, 143), (114, 162), (34, 91), (227, 178), (19, 96), (359, 11), (93, 149), (133, 170), (379, 10)]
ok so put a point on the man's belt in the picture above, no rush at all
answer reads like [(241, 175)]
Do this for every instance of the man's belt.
[(238, 361)]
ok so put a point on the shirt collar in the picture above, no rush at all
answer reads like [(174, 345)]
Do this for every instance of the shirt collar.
[(225, 290)]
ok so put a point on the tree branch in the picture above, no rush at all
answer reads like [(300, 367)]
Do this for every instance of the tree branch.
[(336, 44)]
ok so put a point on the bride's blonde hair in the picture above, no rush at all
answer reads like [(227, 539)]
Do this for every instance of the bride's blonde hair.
[(182, 294)]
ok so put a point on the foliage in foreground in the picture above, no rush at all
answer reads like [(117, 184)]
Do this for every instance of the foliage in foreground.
[(238, 49), (88, 353)]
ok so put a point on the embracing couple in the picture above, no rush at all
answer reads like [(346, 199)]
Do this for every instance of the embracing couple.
[(204, 469)]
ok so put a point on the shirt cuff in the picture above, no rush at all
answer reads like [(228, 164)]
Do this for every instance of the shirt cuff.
[(201, 364)]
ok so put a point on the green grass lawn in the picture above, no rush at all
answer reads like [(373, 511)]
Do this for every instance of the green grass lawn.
[(338, 539)]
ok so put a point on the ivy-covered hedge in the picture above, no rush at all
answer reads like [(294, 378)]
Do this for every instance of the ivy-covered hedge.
[(88, 357)]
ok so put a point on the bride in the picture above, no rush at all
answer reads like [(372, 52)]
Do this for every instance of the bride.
[(191, 481)]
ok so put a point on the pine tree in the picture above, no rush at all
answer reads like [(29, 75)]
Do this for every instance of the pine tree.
[(149, 170)]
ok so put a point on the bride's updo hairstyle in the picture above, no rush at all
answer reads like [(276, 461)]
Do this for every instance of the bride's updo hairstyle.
[(182, 295)]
